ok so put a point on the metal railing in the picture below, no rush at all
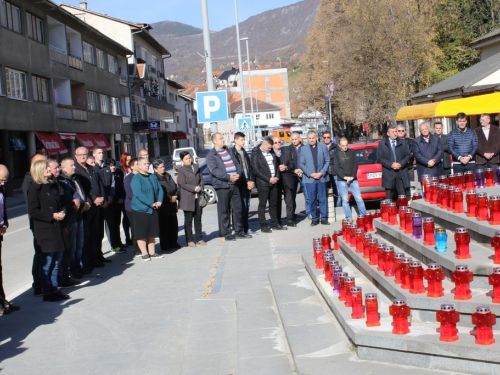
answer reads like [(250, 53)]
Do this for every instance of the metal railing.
[(80, 114), (75, 62), (70, 113), (58, 55)]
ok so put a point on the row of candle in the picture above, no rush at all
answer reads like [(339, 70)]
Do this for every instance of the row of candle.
[(351, 295), (469, 180)]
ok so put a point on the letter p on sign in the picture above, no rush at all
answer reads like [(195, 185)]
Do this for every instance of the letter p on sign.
[(212, 106)]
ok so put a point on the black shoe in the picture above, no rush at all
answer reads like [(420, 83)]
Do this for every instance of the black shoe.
[(279, 227), (61, 295), (51, 297), (324, 222), (69, 284), (123, 246), (37, 292), (243, 236), (87, 270), (10, 306), (314, 223), (231, 238), (266, 230), (291, 224)]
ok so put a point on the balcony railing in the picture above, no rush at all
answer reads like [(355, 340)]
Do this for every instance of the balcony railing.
[(58, 55), (75, 62), (153, 102), (68, 112), (123, 80)]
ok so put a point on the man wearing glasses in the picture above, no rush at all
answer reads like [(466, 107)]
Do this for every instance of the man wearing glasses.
[(332, 175), (409, 167), (290, 176)]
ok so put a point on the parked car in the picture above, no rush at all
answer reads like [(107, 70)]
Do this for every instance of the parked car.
[(369, 171), (176, 160)]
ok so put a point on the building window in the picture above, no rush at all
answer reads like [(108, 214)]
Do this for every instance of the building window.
[(112, 64), (40, 89), (269, 116), (10, 16), (105, 104), (115, 106), (92, 101), (88, 53), (144, 112), (35, 28), (101, 59), (16, 84)]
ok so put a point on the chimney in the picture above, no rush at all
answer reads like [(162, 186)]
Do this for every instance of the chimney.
[(83, 5)]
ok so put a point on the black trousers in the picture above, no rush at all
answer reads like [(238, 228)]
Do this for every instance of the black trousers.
[(91, 236), (37, 265), (130, 218), (188, 223), (245, 197), (169, 230), (268, 194), (229, 200), (398, 188), (279, 200), (126, 224), (113, 217), (290, 194), (102, 220), (2, 292)]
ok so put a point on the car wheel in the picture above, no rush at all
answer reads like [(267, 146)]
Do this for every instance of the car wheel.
[(211, 193)]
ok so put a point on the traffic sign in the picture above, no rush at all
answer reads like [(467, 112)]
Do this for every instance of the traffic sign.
[(212, 106), (245, 125)]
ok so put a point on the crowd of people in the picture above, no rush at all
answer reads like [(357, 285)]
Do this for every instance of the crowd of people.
[(74, 202)]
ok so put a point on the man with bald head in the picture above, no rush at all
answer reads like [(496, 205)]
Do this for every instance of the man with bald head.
[(428, 152), (5, 306), (37, 257), (93, 190)]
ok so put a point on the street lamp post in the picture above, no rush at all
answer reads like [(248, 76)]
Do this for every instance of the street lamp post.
[(250, 88), (239, 59)]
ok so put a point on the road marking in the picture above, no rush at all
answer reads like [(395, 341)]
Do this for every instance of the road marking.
[(17, 230)]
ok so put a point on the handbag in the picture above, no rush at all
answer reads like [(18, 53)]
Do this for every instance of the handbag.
[(203, 198)]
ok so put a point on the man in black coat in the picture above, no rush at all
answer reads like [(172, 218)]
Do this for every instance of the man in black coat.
[(5, 306), (94, 192), (393, 153), (104, 173), (327, 138), (37, 256), (428, 153), (246, 182), (446, 164), (267, 174), (289, 162)]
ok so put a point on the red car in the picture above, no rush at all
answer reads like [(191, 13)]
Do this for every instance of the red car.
[(369, 171)]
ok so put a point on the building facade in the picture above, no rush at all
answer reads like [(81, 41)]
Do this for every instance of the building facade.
[(60, 85)]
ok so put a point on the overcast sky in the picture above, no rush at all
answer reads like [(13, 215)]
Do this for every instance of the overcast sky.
[(221, 12)]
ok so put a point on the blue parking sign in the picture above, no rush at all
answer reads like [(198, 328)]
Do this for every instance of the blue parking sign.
[(245, 125), (212, 106)]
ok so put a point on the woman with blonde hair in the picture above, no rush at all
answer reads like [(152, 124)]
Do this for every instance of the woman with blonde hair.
[(47, 213)]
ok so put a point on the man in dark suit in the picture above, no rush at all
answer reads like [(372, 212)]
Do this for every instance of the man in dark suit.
[(393, 153), (288, 165), (267, 174), (428, 152), (488, 138), (5, 306), (446, 165)]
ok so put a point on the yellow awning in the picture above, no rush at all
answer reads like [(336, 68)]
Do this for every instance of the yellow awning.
[(474, 105)]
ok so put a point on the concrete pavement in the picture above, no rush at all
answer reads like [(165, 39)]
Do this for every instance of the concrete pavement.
[(206, 310)]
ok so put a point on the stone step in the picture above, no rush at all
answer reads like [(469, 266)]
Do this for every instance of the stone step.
[(315, 338), (481, 263), (426, 306), (421, 347), (480, 231)]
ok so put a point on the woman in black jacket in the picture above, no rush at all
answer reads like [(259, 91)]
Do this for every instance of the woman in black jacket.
[(169, 227), (47, 213), (191, 183)]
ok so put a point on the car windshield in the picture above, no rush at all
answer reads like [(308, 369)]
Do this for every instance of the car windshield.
[(366, 156), (177, 152)]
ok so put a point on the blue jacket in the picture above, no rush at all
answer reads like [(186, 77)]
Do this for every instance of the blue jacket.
[(215, 165), (306, 162), (462, 143), (146, 190)]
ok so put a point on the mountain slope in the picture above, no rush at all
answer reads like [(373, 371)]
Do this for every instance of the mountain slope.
[(278, 33)]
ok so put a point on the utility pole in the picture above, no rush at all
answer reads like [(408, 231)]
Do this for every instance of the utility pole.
[(250, 87), (208, 54), (242, 80)]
